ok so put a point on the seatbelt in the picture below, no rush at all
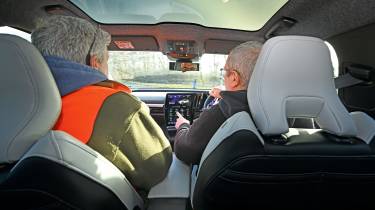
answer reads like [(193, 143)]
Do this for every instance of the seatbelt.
[(356, 74), (346, 80)]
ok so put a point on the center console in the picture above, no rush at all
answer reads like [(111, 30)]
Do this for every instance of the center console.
[(164, 104)]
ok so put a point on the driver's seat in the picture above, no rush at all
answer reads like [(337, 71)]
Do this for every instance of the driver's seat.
[(40, 168), (262, 164)]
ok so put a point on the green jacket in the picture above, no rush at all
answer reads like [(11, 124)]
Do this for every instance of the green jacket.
[(124, 132), (127, 135)]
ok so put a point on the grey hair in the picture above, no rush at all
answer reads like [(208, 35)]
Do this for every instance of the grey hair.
[(243, 58), (70, 38)]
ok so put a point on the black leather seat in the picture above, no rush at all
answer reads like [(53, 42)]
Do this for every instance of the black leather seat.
[(257, 162)]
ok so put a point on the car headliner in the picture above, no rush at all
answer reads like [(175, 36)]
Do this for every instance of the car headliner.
[(319, 18)]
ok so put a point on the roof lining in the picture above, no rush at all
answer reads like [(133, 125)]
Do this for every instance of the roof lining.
[(319, 18)]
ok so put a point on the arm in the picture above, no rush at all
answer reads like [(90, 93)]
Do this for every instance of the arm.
[(126, 134), (190, 141), (148, 149)]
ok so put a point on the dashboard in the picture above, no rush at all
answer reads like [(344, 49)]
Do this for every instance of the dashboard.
[(164, 105)]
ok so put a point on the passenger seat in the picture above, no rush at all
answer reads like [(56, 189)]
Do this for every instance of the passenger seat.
[(40, 168)]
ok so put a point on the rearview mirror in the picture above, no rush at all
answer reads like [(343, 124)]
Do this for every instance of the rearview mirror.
[(183, 66)]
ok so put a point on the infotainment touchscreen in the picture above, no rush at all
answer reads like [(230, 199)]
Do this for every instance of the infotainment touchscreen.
[(181, 103), (179, 100)]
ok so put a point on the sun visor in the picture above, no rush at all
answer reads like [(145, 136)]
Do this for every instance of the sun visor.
[(136, 43), (220, 46)]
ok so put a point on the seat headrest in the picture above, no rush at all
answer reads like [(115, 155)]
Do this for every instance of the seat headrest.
[(293, 77), (30, 101)]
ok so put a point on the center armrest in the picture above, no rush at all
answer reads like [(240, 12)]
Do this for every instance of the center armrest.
[(176, 184)]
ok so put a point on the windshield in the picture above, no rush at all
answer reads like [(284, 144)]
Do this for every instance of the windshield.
[(150, 70)]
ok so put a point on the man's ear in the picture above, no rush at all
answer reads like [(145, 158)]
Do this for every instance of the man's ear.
[(235, 80), (94, 63)]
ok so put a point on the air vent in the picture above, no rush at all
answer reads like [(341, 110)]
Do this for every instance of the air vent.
[(156, 110)]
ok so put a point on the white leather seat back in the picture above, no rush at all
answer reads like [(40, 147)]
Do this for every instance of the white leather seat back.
[(293, 77), (29, 100)]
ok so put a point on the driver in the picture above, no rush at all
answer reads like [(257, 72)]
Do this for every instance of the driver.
[(191, 140)]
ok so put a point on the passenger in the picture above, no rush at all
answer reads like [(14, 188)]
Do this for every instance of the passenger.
[(191, 140), (99, 112)]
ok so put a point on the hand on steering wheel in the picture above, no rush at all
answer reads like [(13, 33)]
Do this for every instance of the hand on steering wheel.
[(208, 102), (215, 92), (212, 98)]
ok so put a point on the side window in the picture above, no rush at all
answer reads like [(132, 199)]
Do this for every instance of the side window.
[(334, 59), (10, 30)]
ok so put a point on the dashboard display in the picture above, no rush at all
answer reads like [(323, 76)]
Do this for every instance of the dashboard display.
[(179, 100), (181, 103)]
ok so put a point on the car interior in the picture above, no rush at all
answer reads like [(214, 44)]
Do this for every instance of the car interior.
[(307, 143)]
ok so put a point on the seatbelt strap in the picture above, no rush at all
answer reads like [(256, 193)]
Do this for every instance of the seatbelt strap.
[(346, 80)]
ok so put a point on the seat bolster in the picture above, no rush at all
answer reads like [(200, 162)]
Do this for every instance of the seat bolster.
[(365, 126), (63, 149), (237, 122)]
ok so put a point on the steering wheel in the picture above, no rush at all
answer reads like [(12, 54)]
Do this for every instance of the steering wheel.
[(210, 100)]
